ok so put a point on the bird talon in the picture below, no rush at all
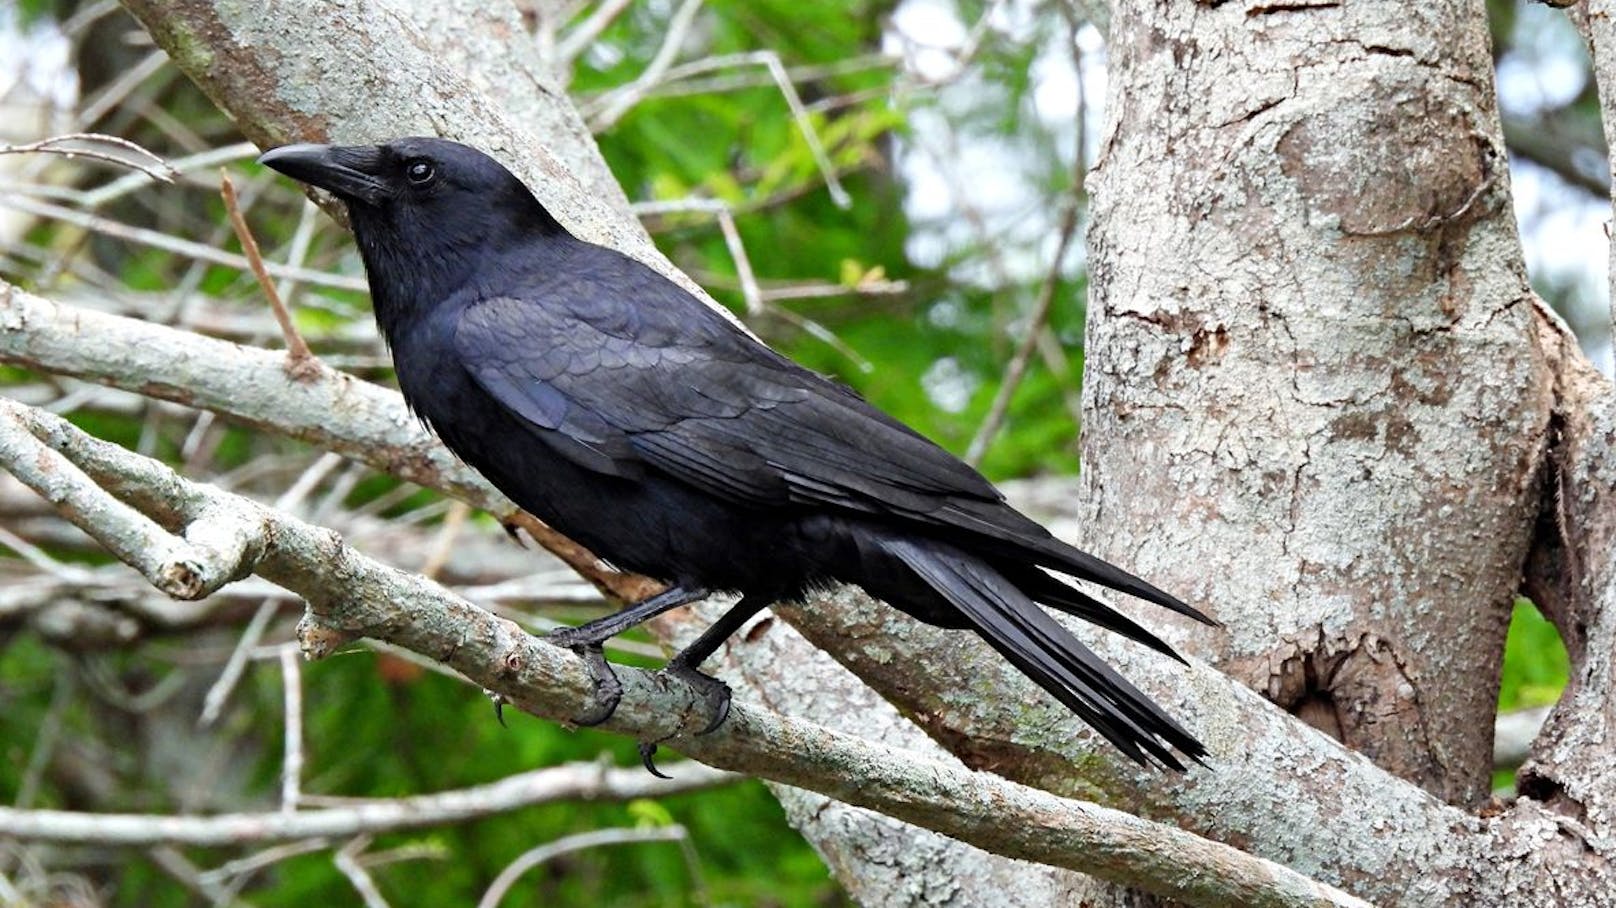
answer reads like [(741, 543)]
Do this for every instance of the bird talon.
[(499, 700), (715, 692), (607, 691), (648, 751), (565, 637)]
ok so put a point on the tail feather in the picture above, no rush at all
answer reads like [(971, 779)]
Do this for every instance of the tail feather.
[(997, 522), (1044, 651), (1041, 587)]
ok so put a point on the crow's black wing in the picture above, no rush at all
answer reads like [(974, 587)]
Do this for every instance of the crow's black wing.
[(618, 390)]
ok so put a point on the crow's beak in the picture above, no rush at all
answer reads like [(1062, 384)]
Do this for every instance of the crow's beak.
[(346, 171)]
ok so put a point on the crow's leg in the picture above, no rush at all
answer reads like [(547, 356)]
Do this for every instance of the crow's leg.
[(596, 632), (586, 640), (684, 667)]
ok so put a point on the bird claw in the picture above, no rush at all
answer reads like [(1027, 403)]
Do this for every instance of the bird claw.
[(648, 751), (712, 690), (607, 692), (569, 638), (499, 700)]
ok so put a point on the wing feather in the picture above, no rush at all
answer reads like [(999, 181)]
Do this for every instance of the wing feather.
[(711, 408)]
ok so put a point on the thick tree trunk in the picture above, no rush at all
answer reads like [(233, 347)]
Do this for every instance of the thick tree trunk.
[(1314, 401)]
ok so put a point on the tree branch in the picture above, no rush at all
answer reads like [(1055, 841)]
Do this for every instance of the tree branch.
[(572, 782), (1381, 833), (349, 594)]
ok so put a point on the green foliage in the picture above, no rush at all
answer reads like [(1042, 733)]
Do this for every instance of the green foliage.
[(1536, 666), (1535, 671)]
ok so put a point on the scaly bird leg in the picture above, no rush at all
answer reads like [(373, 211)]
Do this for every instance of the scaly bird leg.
[(586, 640), (684, 667)]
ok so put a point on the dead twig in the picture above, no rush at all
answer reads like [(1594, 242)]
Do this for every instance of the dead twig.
[(301, 363), (63, 145), (1017, 370), (551, 850)]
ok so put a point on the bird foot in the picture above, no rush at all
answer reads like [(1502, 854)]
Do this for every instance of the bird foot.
[(712, 690), (571, 638), (608, 691), (715, 692), (648, 751)]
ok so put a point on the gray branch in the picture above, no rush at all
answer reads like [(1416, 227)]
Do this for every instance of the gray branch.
[(350, 595), (573, 782)]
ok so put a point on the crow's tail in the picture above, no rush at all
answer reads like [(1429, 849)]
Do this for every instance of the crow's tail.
[(1000, 609)]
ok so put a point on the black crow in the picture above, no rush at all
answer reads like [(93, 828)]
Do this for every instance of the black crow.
[(621, 410)]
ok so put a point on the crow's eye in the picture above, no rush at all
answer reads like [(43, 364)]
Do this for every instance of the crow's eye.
[(420, 173)]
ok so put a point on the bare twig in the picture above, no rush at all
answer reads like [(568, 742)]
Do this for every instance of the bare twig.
[(750, 291), (308, 221), (1036, 320), (234, 873), (94, 198), (870, 287), (159, 240), (347, 861), (443, 542), (113, 93), (571, 782), (584, 33), (36, 556), (1513, 734), (732, 240), (167, 363), (415, 851), (619, 101), (684, 80), (153, 166), (219, 693), (596, 838), (178, 866), (292, 741), (618, 585), (50, 731), (301, 363), (214, 552)]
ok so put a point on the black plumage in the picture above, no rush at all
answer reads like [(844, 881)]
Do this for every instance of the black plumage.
[(615, 406)]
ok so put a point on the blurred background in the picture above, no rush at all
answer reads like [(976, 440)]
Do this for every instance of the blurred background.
[(889, 192)]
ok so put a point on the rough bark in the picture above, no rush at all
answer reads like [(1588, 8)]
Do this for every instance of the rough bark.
[(1572, 571), (1311, 357)]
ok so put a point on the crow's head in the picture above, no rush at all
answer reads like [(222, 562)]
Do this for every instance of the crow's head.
[(426, 212)]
